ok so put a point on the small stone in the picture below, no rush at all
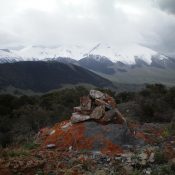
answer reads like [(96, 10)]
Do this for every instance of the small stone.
[(66, 126), (76, 117), (77, 109), (151, 157), (108, 159), (148, 171), (85, 103), (128, 169), (51, 145), (172, 161), (143, 156), (118, 158), (143, 162), (98, 112), (100, 172), (129, 160), (52, 132), (96, 94), (70, 148)]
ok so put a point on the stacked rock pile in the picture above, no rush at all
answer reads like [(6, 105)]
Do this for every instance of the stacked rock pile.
[(97, 106)]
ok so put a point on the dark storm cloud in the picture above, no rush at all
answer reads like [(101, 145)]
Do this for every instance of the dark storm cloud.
[(167, 5)]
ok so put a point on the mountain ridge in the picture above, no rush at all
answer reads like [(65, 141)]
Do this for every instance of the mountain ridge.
[(126, 54), (143, 66)]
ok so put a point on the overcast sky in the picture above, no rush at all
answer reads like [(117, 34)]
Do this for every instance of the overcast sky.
[(120, 22)]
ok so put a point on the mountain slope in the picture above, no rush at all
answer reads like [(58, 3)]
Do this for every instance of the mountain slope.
[(97, 63), (45, 76), (65, 60), (140, 74), (7, 56), (125, 54)]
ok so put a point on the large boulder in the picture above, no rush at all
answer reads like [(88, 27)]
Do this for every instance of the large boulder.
[(90, 136), (95, 125)]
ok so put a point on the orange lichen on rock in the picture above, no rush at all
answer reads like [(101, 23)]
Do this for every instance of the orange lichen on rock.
[(148, 133), (142, 136), (73, 137), (169, 151), (111, 149), (157, 132)]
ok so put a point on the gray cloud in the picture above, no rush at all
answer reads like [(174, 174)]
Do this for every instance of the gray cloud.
[(53, 22), (167, 5)]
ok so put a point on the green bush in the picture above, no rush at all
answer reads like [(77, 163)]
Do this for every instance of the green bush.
[(15, 153), (160, 158), (22, 117), (30, 146), (125, 97), (163, 170)]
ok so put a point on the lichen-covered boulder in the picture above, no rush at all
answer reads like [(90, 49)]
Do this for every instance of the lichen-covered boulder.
[(91, 136)]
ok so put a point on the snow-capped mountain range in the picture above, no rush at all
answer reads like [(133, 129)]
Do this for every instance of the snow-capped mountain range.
[(126, 55), (131, 64)]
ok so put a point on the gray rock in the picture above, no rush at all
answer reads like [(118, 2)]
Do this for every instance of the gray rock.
[(98, 112), (116, 133), (96, 94)]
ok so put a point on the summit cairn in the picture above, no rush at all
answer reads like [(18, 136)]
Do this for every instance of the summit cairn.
[(95, 126), (97, 106)]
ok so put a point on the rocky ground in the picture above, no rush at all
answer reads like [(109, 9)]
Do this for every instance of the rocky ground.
[(156, 156), (97, 140)]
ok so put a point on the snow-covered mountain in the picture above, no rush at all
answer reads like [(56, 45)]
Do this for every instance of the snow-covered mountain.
[(97, 63), (8, 56), (126, 54), (42, 53), (133, 64)]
